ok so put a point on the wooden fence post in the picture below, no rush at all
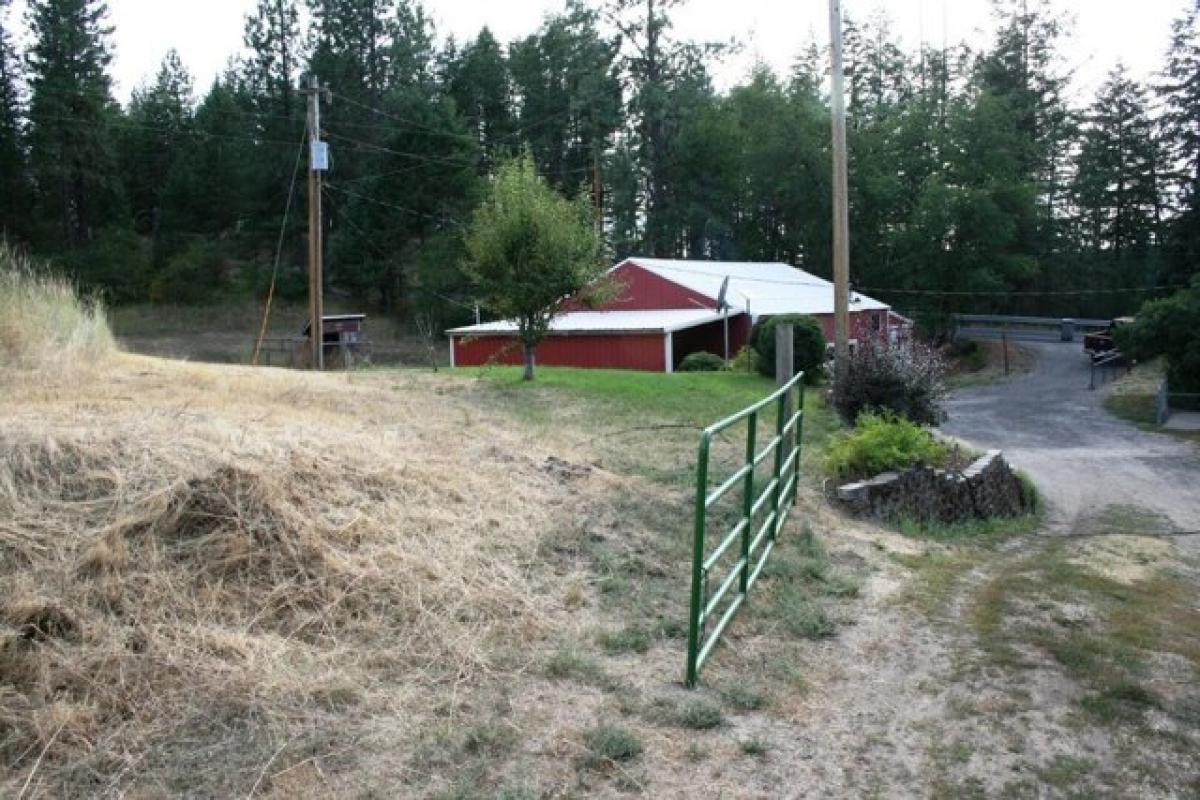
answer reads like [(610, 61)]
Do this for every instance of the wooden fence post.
[(785, 369)]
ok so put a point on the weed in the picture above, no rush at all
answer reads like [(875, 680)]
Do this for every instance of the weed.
[(570, 664), (632, 639), (803, 616), (754, 746), (840, 585), (1065, 771), (1123, 701), (489, 738), (608, 744), (744, 697), (699, 714)]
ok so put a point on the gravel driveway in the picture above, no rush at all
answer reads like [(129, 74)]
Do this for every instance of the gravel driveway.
[(1082, 458)]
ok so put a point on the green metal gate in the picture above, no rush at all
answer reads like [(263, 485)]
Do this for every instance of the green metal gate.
[(755, 538)]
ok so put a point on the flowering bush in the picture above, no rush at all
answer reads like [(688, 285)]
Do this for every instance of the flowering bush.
[(906, 380)]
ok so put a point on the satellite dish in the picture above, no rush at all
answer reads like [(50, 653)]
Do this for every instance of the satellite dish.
[(722, 303)]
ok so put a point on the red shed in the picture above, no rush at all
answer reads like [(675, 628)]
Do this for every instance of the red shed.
[(666, 309)]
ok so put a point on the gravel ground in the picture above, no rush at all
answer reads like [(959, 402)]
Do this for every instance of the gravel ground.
[(1083, 459)]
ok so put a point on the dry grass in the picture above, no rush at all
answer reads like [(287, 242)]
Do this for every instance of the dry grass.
[(203, 566), (44, 323)]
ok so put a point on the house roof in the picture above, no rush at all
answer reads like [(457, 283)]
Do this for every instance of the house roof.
[(755, 287), (601, 322)]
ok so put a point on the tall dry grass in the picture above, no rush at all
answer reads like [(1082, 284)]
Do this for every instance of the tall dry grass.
[(45, 324), (210, 575)]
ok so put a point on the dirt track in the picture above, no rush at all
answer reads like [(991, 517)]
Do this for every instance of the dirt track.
[(1083, 459)]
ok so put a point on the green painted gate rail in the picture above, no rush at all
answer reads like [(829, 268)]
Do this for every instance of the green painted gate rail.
[(754, 544)]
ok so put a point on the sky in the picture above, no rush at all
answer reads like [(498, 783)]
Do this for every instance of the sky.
[(207, 32)]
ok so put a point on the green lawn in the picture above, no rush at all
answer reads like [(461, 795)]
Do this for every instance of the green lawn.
[(691, 399)]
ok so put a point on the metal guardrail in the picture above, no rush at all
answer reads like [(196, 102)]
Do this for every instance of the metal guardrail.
[(1112, 359), (1030, 329), (1048, 322), (754, 545)]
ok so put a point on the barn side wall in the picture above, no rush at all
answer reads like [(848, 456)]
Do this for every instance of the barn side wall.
[(640, 351)]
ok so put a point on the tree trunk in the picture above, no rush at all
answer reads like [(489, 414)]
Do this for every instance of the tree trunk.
[(527, 351)]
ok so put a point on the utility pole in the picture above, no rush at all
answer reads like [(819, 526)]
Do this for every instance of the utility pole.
[(318, 162), (841, 211)]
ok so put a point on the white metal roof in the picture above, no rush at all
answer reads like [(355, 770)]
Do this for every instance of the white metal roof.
[(598, 322), (756, 287)]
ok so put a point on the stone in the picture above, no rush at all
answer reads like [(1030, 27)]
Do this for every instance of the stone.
[(987, 488)]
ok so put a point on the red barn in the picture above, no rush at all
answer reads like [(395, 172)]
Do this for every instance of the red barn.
[(667, 309)]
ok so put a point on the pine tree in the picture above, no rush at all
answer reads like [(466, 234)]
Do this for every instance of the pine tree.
[(208, 188), (1180, 95), (159, 121), (668, 82), (70, 110), (479, 82), (14, 182), (569, 93), (1115, 183), (272, 37)]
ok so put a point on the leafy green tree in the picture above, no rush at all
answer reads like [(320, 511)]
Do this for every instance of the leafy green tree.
[(14, 177), (71, 109), (529, 250), (1169, 327)]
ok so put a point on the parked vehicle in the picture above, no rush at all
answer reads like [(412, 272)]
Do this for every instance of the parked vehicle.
[(1102, 342)]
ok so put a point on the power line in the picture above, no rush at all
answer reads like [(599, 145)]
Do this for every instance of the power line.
[(1046, 293), (129, 124), (523, 128), (370, 146), (287, 209), (450, 221), (366, 238)]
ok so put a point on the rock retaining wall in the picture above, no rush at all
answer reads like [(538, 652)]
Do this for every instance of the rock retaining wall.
[(988, 488)]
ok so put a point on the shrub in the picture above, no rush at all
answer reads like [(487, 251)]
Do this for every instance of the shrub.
[(904, 380), (746, 360), (968, 354), (117, 264), (808, 345), (1168, 327), (193, 276), (882, 442), (701, 362)]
